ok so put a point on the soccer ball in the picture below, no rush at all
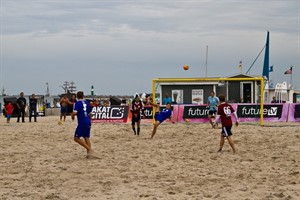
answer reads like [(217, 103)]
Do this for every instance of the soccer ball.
[(187, 120), (186, 67), (59, 122)]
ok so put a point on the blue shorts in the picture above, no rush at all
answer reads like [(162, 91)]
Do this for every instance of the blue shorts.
[(8, 116), (63, 109), (82, 131), (159, 117)]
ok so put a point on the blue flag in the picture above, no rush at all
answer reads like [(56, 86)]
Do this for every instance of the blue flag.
[(271, 68)]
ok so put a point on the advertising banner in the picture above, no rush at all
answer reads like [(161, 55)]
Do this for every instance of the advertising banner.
[(190, 112), (294, 112), (245, 112), (110, 114), (253, 111), (199, 113), (177, 96), (197, 96)]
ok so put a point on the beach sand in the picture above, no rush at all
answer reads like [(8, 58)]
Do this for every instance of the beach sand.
[(41, 161)]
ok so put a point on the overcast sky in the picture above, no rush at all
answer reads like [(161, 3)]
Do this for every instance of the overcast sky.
[(120, 46)]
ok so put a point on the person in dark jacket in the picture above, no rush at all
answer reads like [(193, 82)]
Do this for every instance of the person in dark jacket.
[(21, 103), (32, 107)]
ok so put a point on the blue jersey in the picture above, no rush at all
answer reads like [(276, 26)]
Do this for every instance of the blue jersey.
[(83, 109), (163, 115), (213, 103)]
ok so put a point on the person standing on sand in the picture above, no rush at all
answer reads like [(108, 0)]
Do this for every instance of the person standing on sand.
[(83, 111), (224, 113), (212, 104), (136, 109), (32, 107), (9, 109), (21, 103), (64, 102)]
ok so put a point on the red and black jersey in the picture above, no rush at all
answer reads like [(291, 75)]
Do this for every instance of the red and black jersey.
[(137, 107), (225, 110)]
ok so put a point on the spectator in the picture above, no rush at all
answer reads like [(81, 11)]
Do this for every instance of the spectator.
[(21, 103), (274, 100), (9, 110), (32, 107), (167, 99)]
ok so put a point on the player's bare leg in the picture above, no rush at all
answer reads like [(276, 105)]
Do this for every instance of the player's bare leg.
[(154, 129), (230, 140), (221, 143), (133, 128), (84, 143), (210, 120)]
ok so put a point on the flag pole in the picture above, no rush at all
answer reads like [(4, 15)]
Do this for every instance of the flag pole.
[(206, 60)]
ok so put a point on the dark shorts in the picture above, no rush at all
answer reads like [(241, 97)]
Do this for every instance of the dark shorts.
[(212, 112), (82, 131), (8, 116), (226, 131), (135, 119), (158, 117), (63, 109)]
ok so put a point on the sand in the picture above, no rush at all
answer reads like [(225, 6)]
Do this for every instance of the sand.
[(41, 161)]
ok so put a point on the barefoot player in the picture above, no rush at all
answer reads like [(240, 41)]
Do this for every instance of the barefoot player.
[(64, 102), (83, 111), (136, 109), (224, 113), (212, 104), (161, 116)]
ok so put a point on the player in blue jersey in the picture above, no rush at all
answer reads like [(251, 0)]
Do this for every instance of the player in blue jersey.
[(212, 102), (83, 111), (161, 116)]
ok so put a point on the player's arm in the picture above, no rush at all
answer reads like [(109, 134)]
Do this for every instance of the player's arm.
[(208, 103), (131, 108), (73, 114), (236, 118), (153, 104), (18, 104)]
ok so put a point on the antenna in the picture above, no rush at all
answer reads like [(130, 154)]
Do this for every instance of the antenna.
[(47, 90), (206, 60)]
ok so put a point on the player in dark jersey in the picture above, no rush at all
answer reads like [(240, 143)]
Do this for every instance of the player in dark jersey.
[(161, 116), (136, 109), (83, 111), (224, 113)]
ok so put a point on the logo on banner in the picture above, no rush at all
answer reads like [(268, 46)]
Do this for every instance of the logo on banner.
[(195, 112), (113, 113), (253, 111), (297, 111), (148, 112)]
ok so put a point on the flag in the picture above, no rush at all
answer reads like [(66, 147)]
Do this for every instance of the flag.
[(240, 64), (289, 71), (271, 68)]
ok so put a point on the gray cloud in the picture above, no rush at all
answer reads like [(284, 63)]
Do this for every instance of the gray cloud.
[(152, 38)]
